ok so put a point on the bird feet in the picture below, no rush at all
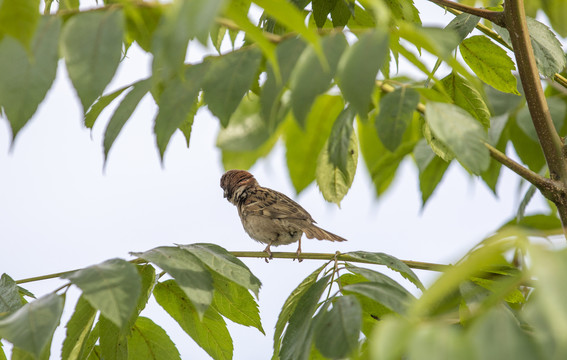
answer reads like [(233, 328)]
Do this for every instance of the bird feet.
[(298, 252), (270, 256)]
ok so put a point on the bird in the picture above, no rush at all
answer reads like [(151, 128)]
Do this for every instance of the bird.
[(269, 216)]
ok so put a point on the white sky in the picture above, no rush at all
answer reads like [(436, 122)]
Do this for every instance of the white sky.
[(59, 211)]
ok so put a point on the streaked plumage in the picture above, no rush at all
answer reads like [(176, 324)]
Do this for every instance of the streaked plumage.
[(268, 216)]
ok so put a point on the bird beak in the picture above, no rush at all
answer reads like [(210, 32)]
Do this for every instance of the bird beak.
[(225, 195)]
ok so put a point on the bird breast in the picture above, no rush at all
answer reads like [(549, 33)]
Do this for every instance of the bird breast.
[(267, 230)]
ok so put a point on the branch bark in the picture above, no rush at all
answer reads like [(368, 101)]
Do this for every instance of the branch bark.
[(494, 16)]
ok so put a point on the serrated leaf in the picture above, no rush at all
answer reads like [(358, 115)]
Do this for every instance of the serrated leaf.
[(245, 159), (342, 12), (555, 10), (19, 19), (382, 164), (303, 146), (321, 9), (440, 42), (123, 112), (290, 305), (28, 75), (187, 125), (287, 53), (78, 329), (235, 303), (225, 264), (490, 63), (549, 55), (208, 331), (288, 15), (188, 271), (438, 340), (461, 133), (334, 183), (10, 300), (247, 130), (91, 43), (113, 340), (467, 97), (404, 10), (391, 262), (338, 144), (141, 24), (113, 287), (431, 169), (337, 331), (303, 93), (375, 276), (228, 78), (149, 341), (296, 343), (437, 146), (100, 104), (356, 76), (396, 113), (175, 102), (32, 326), (385, 294), (463, 24)]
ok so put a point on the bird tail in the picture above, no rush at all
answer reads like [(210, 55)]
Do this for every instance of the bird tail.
[(316, 232)]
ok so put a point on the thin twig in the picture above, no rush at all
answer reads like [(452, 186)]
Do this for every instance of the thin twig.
[(494, 16)]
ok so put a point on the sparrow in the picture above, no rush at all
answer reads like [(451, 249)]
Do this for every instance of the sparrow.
[(269, 216)]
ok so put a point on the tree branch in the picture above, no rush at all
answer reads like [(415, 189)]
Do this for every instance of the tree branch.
[(262, 255), (545, 185), (495, 17)]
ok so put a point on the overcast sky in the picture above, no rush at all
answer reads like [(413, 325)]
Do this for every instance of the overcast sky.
[(59, 211)]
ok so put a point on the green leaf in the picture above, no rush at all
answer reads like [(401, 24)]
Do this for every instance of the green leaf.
[(467, 97), (558, 110), (440, 42), (19, 19), (332, 181), (189, 272), (310, 79), (10, 300), (28, 75), (303, 146), (235, 303), (382, 165), (549, 55), (228, 78), (91, 43), (100, 104), (290, 305), (337, 331), (288, 53), (187, 124), (113, 287), (245, 159), (175, 102), (385, 294), (404, 10), (389, 261), (439, 341), (501, 103), (338, 144), (341, 13), (555, 11), (463, 24), (247, 130), (78, 330), (141, 24), (375, 276), (321, 9), (288, 15), (113, 340), (513, 342), (461, 133), (396, 113), (149, 341), (527, 149), (123, 113), (208, 331), (32, 326), (431, 171), (490, 63), (296, 343), (356, 76), (225, 264)]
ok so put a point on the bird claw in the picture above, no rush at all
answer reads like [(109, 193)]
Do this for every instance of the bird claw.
[(298, 252), (270, 255)]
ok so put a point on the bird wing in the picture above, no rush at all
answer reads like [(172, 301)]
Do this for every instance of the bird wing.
[(275, 205)]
